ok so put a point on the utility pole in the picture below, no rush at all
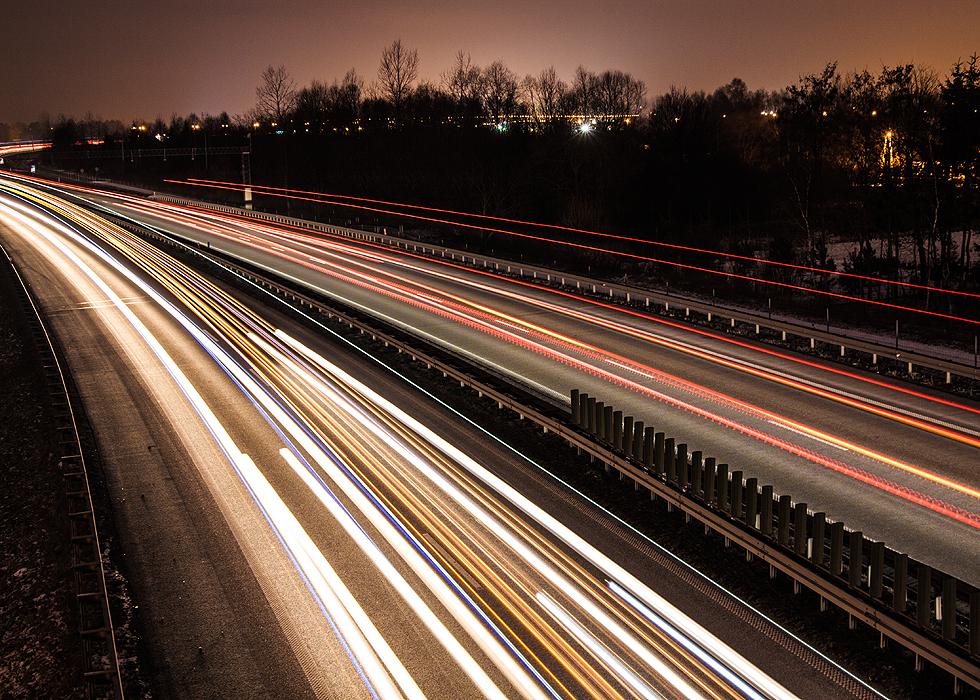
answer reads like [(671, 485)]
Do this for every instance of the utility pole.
[(247, 173)]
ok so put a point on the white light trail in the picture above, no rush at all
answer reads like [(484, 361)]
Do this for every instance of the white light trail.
[(656, 602), (325, 584), (598, 648)]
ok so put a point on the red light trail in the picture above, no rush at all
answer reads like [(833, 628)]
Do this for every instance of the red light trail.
[(632, 256), (266, 189)]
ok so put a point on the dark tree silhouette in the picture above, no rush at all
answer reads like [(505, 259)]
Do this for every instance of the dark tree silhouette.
[(398, 71), (276, 94)]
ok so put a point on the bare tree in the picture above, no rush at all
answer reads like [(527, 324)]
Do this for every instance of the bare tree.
[(584, 91), (462, 84), (351, 88), (499, 90), (398, 70), (276, 94), (313, 103), (546, 95), (618, 94)]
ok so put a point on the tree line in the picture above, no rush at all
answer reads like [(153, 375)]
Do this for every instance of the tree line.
[(467, 94)]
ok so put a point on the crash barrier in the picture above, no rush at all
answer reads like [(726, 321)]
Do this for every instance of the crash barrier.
[(905, 360), (873, 587), (935, 615)]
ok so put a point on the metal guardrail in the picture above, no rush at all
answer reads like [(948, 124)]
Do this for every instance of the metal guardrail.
[(859, 594), (632, 296), (102, 680), (868, 580)]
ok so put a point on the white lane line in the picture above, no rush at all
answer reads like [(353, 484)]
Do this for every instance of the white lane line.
[(600, 650), (812, 437)]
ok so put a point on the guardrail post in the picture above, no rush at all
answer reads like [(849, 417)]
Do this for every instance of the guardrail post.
[(799, 529), (600, 417), (627, 446), (751, 501), (974, 629), (721, 487), (923, 594), (680, 465), (765, 517), (607, 424), (949, 608), (590, 425), (576, 407), (583, 411), (669, 455), (837, 548), (855, 558), (818, 524), (696, 467), (638, 431), (900, 586), (735, 503), (782, 536), (877, 570), (658, 453), (617, 430), (708, 479), (648, 440)]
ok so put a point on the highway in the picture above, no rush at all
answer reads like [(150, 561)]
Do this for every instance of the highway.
[(301, 521), (893, 460)]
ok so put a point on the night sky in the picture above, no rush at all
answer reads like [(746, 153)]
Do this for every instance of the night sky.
[(144, 59)]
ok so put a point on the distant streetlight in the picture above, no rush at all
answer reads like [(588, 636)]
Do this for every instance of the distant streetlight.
[(585, 127)]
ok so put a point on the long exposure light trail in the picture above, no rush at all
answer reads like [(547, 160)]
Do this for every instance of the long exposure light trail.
[(411, 487), (966, 437), (483, 430), (438, 302), (487, 687), (332, 594)]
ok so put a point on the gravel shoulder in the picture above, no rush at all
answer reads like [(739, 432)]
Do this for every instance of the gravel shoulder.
[(39, 645)]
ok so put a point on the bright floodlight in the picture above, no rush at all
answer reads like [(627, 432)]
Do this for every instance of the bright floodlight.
[(585, 127)]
